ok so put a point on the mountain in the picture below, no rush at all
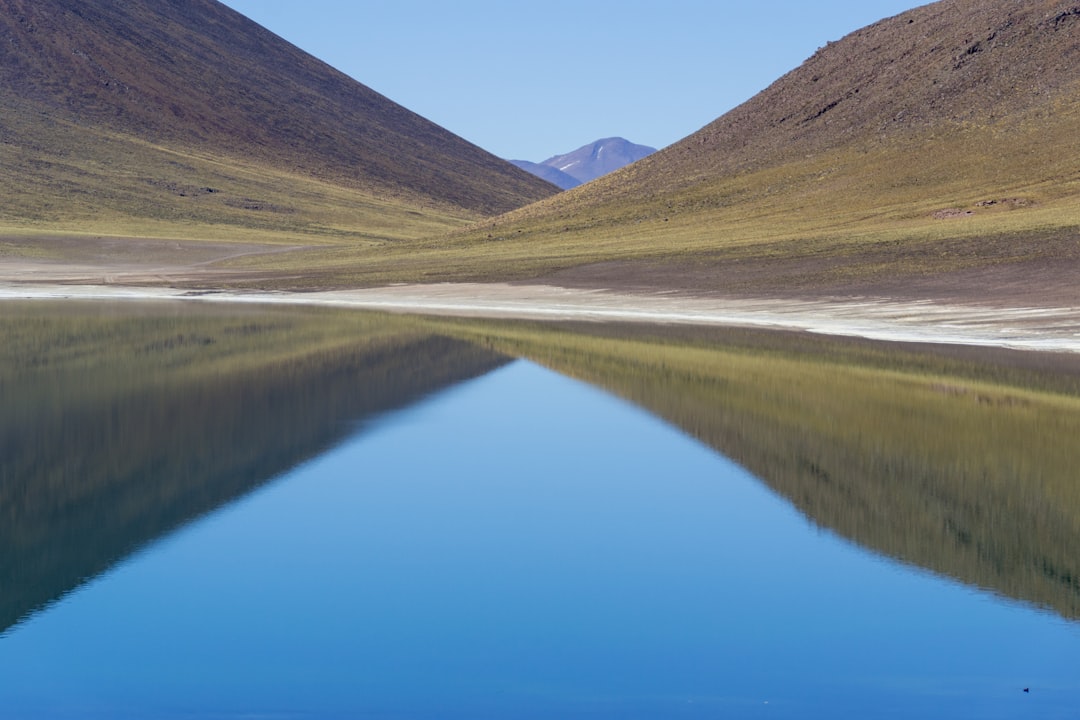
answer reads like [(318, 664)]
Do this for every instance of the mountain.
[(587, 163), (929, 154), (929, 148), (551, 174), (186, 111), (947, 66), (591, 161)]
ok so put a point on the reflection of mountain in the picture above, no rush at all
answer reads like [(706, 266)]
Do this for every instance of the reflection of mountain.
[(114, 431), (90, 473), (924, 458)]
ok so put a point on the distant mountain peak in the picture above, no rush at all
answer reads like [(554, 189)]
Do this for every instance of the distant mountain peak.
[(588, 162)]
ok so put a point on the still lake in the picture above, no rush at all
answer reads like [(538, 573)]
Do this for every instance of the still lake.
[(201, 524)]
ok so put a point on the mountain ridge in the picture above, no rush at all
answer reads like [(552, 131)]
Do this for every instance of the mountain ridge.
[(935, 145), (599, 158), (587, 162), (553, 175), (976, 75), (930, 154), (196, 77)]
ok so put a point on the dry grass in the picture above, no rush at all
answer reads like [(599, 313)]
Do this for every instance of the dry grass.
[(929, 149), (103, 182), (938, 157), (918, 206)]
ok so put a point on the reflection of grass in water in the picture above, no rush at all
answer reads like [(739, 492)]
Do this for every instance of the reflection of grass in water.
[(113, 338), (922, 457), (963, 466), (117, 425)]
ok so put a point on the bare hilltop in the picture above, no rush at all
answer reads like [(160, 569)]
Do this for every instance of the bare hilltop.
[(152, 115), (931, 151)]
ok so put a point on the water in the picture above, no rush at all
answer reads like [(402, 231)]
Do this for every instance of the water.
[(522, 545)]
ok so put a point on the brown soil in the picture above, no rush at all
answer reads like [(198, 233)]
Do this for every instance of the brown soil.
[(945, 63), (990, 272), (198, 76)]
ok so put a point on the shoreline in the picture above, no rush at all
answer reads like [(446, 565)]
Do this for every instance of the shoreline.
[(1040, 329)]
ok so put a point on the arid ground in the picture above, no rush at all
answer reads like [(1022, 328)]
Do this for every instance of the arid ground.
[(972, 308)]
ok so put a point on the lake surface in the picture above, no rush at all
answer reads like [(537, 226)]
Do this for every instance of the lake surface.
[(420, 527)]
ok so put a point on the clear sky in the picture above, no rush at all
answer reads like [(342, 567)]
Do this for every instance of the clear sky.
[(528, 80)]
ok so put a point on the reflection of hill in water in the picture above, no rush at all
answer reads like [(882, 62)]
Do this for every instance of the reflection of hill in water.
[(927, 459), (117, 429), (113, 433)]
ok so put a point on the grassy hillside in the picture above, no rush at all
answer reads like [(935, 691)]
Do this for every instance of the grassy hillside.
[(186, 119), (940, 143)]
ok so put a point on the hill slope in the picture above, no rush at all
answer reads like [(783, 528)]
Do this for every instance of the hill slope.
[(948, 66), (145, 108), (935, 145)]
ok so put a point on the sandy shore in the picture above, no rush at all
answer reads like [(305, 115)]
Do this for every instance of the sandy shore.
[(1045, 329)]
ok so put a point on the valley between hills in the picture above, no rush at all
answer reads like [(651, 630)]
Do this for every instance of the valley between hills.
[(928, 159)]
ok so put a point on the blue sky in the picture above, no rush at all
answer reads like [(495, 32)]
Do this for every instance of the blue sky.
[(527, 80)]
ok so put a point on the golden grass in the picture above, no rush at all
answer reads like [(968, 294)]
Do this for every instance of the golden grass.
[(868, 209), (106, 183), (881, 197), (880, 156)]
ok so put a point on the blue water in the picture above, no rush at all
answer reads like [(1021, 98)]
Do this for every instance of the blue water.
[(525, 546)]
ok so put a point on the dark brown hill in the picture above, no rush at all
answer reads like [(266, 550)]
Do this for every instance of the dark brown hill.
[(938, 145), (949, 63), (193, 75)]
